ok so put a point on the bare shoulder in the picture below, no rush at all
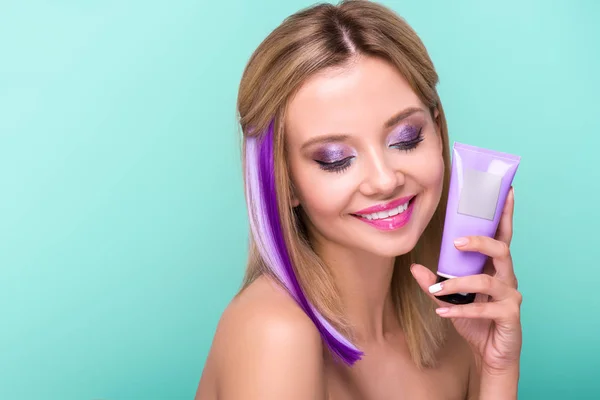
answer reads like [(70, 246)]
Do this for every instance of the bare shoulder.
[(265, 347), (464, 359)]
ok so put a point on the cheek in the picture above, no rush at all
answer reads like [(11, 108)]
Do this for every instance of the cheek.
[(428, 170), (436, 173), (322, 194)]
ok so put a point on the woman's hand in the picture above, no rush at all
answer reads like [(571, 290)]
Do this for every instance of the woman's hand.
[(492, 324)]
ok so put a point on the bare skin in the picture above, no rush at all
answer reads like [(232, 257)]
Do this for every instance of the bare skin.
[(266, 348)]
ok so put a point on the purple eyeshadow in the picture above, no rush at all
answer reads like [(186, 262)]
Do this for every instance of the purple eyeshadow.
[(406, 133), (331, 154)]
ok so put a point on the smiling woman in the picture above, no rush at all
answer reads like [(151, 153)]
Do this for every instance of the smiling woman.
[(346, 161), (391, 149)]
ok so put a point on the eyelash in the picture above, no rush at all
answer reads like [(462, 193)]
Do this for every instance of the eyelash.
[(336, 166), (411, 144), (343, 164)]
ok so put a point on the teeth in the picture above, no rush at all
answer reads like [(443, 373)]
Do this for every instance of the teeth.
[(386, 214)]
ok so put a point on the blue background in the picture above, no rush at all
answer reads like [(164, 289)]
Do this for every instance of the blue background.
[(122, 219)]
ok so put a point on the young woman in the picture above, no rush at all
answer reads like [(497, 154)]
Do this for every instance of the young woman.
[(346, 159)]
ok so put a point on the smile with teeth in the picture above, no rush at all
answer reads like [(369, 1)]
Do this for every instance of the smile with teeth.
[(385, 214), (389, 216)]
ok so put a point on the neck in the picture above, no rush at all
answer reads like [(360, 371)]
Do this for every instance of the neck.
[(364, 282)]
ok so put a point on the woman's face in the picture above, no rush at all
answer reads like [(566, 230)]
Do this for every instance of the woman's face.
[(365, 158)]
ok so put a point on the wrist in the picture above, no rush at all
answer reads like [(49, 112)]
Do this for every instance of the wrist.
[(499, 384)]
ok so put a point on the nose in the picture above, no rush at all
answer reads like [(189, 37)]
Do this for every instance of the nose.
[(381, 178)]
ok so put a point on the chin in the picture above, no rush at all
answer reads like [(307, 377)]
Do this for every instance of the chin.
[(388, 238), (391, 248), (390, 244)]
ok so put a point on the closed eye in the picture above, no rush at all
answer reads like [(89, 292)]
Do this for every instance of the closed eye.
[(408, 145), (335, 166)]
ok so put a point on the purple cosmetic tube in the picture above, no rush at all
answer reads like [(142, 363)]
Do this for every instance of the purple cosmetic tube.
[(479, 184)]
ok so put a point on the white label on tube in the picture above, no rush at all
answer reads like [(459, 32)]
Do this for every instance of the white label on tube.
[(479, 194)]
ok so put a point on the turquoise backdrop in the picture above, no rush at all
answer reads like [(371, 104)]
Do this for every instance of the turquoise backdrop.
[(122, 218)]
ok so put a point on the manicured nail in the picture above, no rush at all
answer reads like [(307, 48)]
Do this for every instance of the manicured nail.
[(461, 241), (435, 288), (442, 310)]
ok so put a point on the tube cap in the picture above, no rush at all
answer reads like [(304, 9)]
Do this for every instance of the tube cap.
[(455, 298)]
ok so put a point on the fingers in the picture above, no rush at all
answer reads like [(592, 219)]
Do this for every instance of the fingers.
[(482, 283), (425, 278), (506, 307), (505, 312), (505, 226), (497, 250)]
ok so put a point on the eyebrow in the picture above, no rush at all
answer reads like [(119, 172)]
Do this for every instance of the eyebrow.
[(394, 120), (402, 115)]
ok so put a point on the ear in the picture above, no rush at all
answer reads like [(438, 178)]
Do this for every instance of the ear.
[(438, 128), (295, 202), (436, 118), (294, 198)]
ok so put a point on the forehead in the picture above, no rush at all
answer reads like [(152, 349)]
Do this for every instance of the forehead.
[(355, 98)]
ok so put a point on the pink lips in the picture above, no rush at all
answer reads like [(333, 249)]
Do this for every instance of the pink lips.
[(386, 206), (390, 223)]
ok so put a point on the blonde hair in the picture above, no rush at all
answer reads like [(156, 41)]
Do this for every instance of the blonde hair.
[(306, 42)]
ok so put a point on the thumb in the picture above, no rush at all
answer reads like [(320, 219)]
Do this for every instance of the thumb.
[(424, 278)]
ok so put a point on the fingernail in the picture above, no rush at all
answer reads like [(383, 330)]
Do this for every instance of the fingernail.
[(513, 192), (435, 288), (442, 310), (461, 241)]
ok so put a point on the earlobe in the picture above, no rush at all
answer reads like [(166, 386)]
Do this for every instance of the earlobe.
[(295, 201)]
